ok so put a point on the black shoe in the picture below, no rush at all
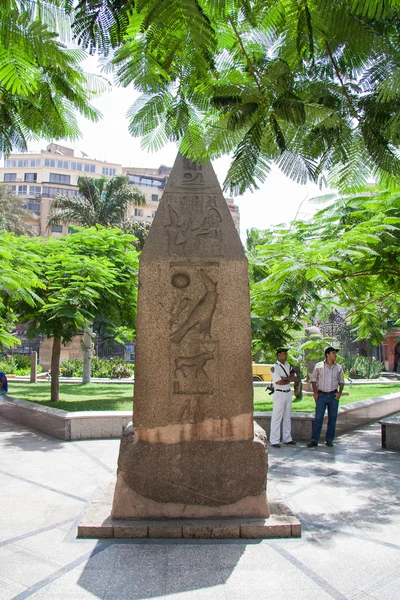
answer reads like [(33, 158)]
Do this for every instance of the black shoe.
[(328, 443), (312, 444), (291, 443), (275, 445)]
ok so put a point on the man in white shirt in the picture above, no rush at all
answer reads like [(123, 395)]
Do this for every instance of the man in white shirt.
[(282, 376)]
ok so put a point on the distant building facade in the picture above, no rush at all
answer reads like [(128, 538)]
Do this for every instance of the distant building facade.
[(40, 177), (152, 183)]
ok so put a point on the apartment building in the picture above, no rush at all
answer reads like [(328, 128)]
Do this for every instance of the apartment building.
[(152, 183), (39, 177)]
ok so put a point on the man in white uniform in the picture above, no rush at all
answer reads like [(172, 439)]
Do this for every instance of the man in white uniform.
[(282, 376)]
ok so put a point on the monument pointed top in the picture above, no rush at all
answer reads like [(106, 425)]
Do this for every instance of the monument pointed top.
[(193, 220)]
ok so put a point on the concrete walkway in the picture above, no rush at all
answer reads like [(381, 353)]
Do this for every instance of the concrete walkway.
[(347, 497)]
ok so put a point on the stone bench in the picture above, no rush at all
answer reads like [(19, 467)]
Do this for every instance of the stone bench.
[(390, 432)]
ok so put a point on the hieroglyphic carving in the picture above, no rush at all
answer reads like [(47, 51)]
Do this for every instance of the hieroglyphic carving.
[(178, 308), (193, 225), (193, 351), (198, 362), (177, 233), (201, 315)]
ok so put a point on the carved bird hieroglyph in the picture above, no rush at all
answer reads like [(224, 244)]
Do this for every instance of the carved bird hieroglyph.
[(201, 315)]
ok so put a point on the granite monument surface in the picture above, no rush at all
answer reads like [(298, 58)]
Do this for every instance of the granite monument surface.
[(194, 450)]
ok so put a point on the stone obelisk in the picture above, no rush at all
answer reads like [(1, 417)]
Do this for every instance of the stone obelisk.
[(194, 451)]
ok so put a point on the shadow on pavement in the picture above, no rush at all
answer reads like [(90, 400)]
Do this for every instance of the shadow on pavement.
[(153, 569)]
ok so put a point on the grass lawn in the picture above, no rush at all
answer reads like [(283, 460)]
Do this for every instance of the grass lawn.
[(262, 400), (75, 396), (102, 396)]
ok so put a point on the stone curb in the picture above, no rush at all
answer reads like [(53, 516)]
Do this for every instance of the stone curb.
[(111, 424)]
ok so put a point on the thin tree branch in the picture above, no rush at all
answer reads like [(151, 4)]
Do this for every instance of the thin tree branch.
[(353, 111), (252, 69)]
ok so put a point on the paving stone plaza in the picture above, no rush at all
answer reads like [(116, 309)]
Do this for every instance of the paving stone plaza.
[(347, 498)]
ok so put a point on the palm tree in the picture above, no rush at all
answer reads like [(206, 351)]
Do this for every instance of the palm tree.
[(13, 214), (101, 201)]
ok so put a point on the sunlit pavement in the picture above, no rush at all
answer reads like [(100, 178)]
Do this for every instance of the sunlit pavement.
[(347, 498)]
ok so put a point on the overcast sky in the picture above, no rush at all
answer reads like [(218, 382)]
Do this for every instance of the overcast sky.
[(278, 200)]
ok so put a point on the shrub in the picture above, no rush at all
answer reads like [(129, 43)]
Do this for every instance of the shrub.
[(120, 371), (71, 368), (100, 367), (362, 367), (8, 366), (18, 364)]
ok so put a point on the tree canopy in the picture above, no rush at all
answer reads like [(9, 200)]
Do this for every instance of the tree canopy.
[(309, 84), (88, 276), (42, 84), (348, 255), (19, 282)]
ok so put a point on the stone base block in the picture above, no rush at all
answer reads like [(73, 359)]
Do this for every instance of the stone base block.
[(97, 523), (128, 504), (196, 479)]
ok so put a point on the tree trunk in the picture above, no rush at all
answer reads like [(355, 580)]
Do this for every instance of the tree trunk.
[(87, 352), (298, 386), (55, 370)]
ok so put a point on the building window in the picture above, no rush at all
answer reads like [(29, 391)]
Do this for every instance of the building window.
[(22, 163), (12, 189), (30, 177), (56, 228), (52, 192), (154, 197), (108, 171), (138, 180), (10, 176), (22, 190), (35, 162), (90, 168), (62, 164), (11, 163), (153, 214), (76, 166), (34, 206), (72, 230), (49, 162), (35, 190), (57, 178), (138, 212)]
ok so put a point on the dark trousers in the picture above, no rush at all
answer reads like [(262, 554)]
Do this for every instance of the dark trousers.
[(325, 400)]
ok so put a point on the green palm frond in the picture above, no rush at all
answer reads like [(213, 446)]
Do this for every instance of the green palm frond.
[(101, 201)]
